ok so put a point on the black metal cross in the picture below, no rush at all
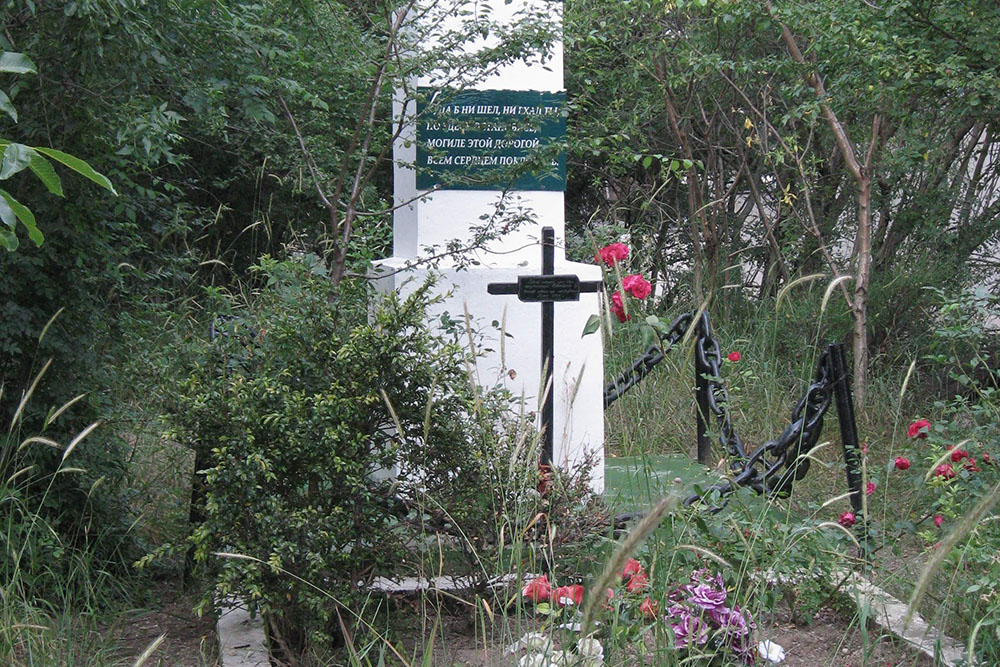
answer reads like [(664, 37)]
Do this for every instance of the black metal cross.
[(547, 288)]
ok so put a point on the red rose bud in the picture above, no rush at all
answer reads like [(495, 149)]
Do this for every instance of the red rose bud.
[(632, 566), (538, 589), (945, 471), (637, 582), (618, 308), (902, 463), (648, 608), (918, 429), (565, 596), (733, 356)]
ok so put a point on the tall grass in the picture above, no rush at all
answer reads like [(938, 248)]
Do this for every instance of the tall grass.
[(54, 590)]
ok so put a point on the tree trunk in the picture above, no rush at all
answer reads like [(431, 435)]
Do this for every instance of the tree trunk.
[(861, 173), (863, 250)]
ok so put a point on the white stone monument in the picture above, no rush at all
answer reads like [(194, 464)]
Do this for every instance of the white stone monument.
[(477, 132)]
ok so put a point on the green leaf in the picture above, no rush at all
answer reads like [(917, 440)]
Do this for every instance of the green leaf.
[(26, 217), (7, 106), (46, 173), (7, 214), (15, 158), (593, 324), (16, 63), (79, 166), (8, 239)]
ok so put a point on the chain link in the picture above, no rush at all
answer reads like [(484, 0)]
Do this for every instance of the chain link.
[(774, 466), (709, 358), (653, 355), (777, 464)]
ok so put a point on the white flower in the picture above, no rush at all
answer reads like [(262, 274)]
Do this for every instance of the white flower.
[(533, 641), (589, 647), (771, 651), (535, 660), (562, 658)]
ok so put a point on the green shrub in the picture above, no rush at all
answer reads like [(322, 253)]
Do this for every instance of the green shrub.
[(338, 430)]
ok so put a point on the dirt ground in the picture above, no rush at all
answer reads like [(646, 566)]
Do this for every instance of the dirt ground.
[(188, 641), (828, 641)]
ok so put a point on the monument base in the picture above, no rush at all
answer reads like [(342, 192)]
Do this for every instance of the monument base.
[(507, 334)]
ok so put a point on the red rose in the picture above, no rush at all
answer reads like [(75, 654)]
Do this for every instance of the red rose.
[(565, 596), (618, 308), (637, 582), (918, 429), (970, 464), (612, 254), (958, 454), (648, 608), (637, 286), (733, 356), (869, 488), (902, 463), (847, 519), (538, 589), (938, 520), (632, 566), (987, 459), (945, 470)]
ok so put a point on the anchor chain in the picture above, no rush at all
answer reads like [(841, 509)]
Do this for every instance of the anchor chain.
[(653, 355), (774, 466), (777, 464), (710, 358)]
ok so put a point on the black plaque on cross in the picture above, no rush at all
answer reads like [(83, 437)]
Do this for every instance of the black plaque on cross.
[(547, 289)]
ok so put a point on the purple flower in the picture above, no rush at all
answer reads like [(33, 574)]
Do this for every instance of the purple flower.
[(689, 630), (706, 597), (732, 621), (703, 576)]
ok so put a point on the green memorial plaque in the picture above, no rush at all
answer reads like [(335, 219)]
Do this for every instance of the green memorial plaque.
[(490, 140)]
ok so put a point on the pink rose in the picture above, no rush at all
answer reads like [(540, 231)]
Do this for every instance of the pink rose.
[(637, 286), (612, 254), (869, 488), (847, 519), (618, 308), (938, 520)]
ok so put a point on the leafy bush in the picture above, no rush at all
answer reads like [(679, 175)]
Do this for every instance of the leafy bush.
[(336, 432)]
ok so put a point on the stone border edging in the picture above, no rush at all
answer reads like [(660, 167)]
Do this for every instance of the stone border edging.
[(242, 642), (890, 614)]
